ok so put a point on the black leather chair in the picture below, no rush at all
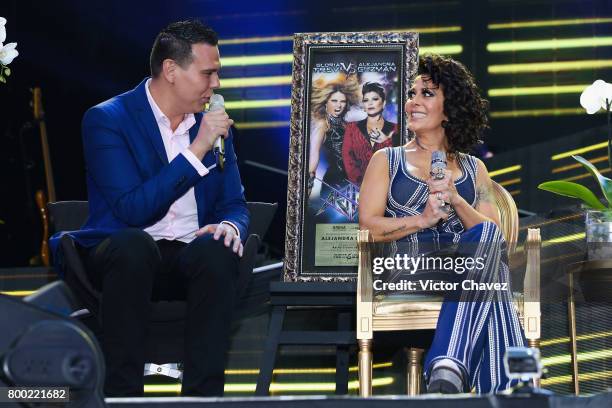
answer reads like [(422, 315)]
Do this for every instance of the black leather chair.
[(166, 325)]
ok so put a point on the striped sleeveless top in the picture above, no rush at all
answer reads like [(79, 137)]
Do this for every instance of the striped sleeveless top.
[(408, 195)]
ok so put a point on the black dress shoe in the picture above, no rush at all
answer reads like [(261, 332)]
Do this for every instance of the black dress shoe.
[(445, 380)]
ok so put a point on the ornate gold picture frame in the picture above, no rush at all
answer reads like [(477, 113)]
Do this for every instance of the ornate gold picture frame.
[(347, 101)]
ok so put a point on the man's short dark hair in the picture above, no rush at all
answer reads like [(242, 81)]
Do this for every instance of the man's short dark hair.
[(175, 41)]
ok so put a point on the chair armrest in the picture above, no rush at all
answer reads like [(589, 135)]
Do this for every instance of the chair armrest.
[(364, 285), (247, 263), (531, 298)]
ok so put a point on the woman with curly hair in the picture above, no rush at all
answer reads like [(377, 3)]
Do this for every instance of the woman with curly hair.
[(401, 203), (365, 137), (330, 101)]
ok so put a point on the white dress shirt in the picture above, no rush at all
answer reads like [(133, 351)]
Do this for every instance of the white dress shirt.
[(181, 221)]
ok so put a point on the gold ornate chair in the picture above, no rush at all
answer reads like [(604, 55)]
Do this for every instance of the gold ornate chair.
[(418, 312)]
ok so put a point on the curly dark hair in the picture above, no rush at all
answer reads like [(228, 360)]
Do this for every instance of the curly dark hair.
[(465, 109)]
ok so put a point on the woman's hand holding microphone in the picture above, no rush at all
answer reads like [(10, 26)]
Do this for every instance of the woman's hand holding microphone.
[(442, 195)]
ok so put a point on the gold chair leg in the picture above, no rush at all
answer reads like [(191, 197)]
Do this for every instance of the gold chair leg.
[(535, 343), (365, 367), (415, 370), (573, 341)]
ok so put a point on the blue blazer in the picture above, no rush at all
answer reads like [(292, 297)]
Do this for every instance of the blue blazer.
[(130, 183)]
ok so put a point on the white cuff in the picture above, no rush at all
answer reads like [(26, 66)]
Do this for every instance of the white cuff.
[(195, 162), (233, 226)]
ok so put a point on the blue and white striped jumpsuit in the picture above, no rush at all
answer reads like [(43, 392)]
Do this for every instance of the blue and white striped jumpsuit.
[(474, 330)]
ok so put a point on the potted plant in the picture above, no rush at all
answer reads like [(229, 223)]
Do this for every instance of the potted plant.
[(598, 215)]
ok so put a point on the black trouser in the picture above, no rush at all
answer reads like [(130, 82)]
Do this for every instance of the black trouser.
[(132, 269)]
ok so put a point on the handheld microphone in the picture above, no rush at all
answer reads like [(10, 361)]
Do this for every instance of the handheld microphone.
[(217, 103), (438, 167), (438, 164)]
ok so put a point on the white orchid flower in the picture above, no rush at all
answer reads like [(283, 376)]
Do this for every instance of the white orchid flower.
[(594, 96), (2, 30), (8, 53)]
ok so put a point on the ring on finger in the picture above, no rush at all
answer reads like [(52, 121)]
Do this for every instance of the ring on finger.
[(439, 196)]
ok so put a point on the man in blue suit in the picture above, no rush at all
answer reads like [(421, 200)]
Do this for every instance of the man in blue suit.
[(165, 222)]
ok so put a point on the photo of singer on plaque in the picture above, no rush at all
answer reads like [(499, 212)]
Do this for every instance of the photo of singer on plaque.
[(352, 89)]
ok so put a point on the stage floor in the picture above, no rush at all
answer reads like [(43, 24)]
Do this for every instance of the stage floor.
[(603, 400)]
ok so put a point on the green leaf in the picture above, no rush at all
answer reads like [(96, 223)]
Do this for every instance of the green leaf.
[(2, 79), (574, 190), (604, 182), (7, 71)]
